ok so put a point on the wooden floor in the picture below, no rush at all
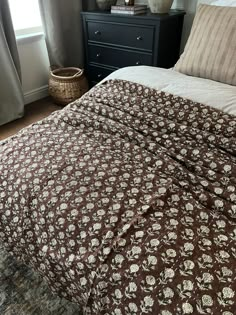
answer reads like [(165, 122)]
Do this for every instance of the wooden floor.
[(33, 112)]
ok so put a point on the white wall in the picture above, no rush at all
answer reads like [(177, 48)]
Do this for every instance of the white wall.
[(34, 67)]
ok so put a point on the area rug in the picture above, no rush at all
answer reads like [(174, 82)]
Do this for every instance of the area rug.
[(24, 292)]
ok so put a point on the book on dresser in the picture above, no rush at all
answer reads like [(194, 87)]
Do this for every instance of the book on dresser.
[(129, 10)]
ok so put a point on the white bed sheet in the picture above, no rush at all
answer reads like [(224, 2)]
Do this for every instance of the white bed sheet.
[(214, 94)]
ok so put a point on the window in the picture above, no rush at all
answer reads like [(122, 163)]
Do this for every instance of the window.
[(25, 16)]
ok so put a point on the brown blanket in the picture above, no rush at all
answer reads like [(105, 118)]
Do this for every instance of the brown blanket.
[(126, 202)]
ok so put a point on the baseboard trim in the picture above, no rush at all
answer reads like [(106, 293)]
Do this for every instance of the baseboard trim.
[(36, 94)]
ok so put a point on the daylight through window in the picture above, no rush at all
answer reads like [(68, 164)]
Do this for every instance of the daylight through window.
[(25, 16)]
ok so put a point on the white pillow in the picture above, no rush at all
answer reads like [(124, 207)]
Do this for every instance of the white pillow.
[(224, 3), (220, 3)]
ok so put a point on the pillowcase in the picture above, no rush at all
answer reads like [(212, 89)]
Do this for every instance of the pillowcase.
[(210, 51), (225, 3)]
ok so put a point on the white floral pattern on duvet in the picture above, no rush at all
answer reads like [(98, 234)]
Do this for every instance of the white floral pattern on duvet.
[(125, 201)]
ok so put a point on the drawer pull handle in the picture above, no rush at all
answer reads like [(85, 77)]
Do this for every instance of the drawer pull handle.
[(98, 55), (97, 33), (99, 76), (139, 38), (138, 63)]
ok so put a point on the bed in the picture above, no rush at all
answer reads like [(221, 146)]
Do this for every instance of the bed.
[(125, 200)]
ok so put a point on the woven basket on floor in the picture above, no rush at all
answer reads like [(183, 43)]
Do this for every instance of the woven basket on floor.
[(67, 84)]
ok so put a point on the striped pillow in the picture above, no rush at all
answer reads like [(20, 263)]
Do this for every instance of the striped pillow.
[(210, 52)]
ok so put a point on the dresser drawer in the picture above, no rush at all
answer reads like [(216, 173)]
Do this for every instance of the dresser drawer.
[(117, 57), (97, 74), (135, 36), (113, 41)]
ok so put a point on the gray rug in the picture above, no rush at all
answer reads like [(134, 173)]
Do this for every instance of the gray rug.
[(24, 292)]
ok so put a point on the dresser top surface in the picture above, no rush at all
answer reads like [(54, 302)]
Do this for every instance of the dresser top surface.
[(148, 15)]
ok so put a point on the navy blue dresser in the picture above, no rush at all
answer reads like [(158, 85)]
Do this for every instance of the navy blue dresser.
[(116, 41)]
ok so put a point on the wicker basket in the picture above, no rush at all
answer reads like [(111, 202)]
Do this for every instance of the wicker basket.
[(67, 84)]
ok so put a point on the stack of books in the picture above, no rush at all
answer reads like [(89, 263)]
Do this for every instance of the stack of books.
[(129, 9)]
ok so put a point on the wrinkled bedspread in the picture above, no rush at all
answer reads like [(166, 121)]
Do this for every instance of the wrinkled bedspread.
[(125, 201)]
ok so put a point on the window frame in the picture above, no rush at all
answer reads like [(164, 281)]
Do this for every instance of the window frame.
[(28, 31)]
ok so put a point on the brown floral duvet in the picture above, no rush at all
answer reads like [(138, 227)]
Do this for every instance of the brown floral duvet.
[(125, 201)]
